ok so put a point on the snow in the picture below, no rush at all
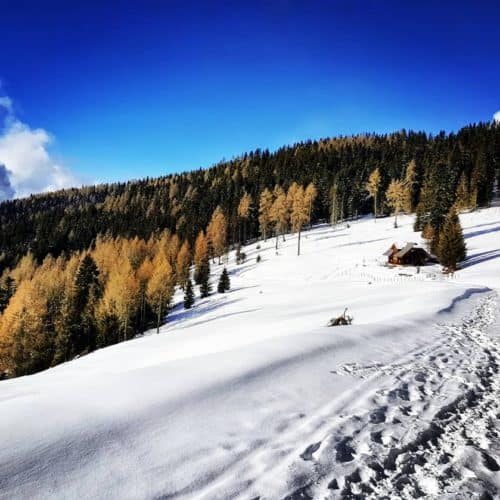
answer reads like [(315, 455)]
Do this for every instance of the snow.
[(249, 394)]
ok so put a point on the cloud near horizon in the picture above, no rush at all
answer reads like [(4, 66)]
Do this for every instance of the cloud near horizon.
[(496, 117), (26, 165)]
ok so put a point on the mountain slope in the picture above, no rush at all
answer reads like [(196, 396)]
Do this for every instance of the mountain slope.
[(251, 395)]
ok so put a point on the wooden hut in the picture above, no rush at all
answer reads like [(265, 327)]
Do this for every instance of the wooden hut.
[(410, 254)]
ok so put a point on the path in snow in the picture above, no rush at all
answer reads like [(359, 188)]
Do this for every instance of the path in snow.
[(432, 427)]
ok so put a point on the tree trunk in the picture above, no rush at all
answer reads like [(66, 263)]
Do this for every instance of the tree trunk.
[(298, 243), (158, 319)]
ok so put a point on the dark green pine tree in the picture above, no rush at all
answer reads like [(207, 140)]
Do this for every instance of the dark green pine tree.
[(451, 249), (87, 290), (205, 287), (224, 282), (442, 201), (6, 292), (189, 295)]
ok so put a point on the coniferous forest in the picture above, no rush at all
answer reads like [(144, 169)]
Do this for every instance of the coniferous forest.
[(85, 268)]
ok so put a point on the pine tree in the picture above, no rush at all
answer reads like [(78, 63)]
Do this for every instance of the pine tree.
[(451, 248), (372, 186), (462, 195), (205, 287), (334, 205), (6, 291), (87, 288), (224, 282), (441, 203), (188, 295)]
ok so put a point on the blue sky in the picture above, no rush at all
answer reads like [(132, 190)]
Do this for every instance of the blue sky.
[(128, 89)]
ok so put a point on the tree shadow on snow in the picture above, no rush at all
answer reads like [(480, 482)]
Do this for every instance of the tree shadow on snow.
[(221, 316), (464, 296), (482, 225), (180, 315), (481, 231), (478, 258)]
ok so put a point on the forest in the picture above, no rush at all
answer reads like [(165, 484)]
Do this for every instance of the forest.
[(85, 268)]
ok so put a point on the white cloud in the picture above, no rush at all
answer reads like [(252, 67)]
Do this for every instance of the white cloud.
[(496, 117), (25, 153), (6, 103)]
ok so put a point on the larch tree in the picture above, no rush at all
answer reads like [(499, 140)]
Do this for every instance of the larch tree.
[(299, 210), (217, 232), (396, 198), (280, 213), (144, 274), (121, 296), (160, 288), (24, 270), (409, 186), (372, 187), (310, 194), (265, 212), (200, 255), (243, 212), (182, 264)]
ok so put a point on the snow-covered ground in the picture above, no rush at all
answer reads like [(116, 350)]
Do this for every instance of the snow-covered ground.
[(250, 395)]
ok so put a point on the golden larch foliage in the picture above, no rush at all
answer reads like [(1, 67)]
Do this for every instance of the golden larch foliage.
[(265, 208), (160, 287), (182, 264), (217, 232)]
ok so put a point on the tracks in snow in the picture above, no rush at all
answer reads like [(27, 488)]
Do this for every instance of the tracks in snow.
[(430, 426)]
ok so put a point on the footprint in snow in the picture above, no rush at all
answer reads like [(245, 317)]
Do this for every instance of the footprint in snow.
[(310, 450)]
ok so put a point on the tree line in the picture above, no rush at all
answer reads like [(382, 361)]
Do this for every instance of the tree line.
[(70, 220)]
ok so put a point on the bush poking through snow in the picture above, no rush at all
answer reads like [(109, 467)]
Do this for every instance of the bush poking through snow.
[(240, 256), (343, 319)]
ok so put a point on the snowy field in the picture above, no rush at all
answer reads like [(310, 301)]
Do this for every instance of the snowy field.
[(249, 395)]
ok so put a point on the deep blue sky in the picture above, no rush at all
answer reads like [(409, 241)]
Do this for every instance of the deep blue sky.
[(139, 88)]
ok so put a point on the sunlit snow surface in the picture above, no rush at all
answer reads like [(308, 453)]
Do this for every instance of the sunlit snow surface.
[(249, 394)]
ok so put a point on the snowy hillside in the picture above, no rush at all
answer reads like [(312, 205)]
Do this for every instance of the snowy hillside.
[(250, 395)]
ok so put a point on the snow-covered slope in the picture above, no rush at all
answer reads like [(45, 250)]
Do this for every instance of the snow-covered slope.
[(249, 394)]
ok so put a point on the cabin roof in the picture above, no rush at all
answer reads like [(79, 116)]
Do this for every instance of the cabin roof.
[(401, 252), (405, 249)]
